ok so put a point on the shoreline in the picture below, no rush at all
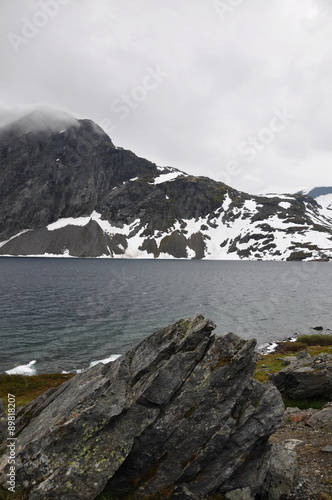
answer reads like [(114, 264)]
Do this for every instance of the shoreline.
[(30, 386), (262, 349)]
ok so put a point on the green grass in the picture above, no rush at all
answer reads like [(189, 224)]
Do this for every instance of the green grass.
[(324, 496), (9, 495), (27, 388), (315, 339), (291, 347), (274, 365), (304, 404)]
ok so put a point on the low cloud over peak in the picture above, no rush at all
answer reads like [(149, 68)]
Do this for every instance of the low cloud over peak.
[(37, 117)]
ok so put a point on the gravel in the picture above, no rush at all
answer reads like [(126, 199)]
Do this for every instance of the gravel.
[(313, 447)]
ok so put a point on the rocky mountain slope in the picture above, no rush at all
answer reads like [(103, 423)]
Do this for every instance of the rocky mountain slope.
[(65, 189)]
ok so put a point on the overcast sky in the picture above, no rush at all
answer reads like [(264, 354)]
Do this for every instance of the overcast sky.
[(237, 90)]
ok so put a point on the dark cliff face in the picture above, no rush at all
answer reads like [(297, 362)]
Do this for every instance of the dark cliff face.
[(127, 206), (49, 175)]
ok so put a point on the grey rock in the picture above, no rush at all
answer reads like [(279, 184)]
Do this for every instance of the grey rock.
[(179, 413), (291, 444), (282, 474), (321, 419), (303, 355), (327, 449), (182, 493), (296, 415), (240, 494), (287, 360), (306, 378)]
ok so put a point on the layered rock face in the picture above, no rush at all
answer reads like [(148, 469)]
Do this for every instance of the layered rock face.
[(178, 416)]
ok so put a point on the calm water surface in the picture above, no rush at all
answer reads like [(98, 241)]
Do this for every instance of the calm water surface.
[(65, 313)]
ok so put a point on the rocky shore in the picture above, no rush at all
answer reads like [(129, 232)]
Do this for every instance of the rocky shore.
[(179, 416)]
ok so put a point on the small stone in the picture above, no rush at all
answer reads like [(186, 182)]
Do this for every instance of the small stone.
[(291, 444), (318, 328), (297, 418), (303, 355), (239, 494), (327, 449), (182, 493), (287, 360), (321, 419)]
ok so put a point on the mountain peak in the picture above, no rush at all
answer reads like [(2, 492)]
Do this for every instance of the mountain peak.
[(43, 118)]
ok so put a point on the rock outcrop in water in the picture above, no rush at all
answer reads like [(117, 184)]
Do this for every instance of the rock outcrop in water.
[(178, 416)]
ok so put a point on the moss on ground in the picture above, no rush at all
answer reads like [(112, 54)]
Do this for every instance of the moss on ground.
[(317, 339), (27, 388), (9, 495), (304, 404), (272, 363)]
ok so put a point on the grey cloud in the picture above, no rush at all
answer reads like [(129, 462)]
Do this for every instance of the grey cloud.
[(225, 78)]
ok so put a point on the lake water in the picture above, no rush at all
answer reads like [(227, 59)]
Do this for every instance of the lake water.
[(65, 313)]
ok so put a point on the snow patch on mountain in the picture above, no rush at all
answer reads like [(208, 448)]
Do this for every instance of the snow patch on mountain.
[(2, 243), (325, 201), (285, 204), (231, 233)]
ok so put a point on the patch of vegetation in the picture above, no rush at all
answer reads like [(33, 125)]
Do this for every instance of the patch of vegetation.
[(268, 364), (291, 347), (304, 404), (272, 363), (316, 339), (324, 496), (27, 388), (9, 495), (190, 411), (222, 362)]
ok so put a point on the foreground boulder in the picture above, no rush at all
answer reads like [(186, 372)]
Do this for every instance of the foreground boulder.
[(178, 416), (306, 377), (322, 419)]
